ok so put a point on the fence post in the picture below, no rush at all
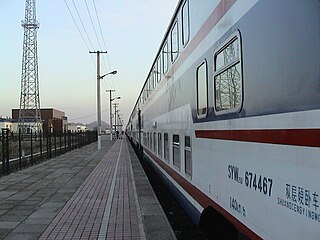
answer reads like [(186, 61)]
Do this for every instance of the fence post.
[(5, 151), (20, 150), (48, 144), (40, 136), (55, 143), (79, 139), (31, 148), (60, 142), (69, 140)]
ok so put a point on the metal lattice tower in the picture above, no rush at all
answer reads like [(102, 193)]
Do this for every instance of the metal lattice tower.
[(29, 114)]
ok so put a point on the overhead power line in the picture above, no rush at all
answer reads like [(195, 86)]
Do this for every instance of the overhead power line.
[(103, 40), (84, 28), (75, 22), (94, 29)]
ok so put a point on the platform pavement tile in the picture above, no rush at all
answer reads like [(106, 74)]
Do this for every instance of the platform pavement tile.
[(22, 236), (30, 228), (9, 225)]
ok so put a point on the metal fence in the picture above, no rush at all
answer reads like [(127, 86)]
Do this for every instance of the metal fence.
[(19, 151)]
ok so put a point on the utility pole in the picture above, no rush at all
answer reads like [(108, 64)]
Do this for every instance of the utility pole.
[(110, 91), (29, 112), (115, 115), (98, 96)]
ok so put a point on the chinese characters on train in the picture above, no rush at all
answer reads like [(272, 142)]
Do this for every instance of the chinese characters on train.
[(303, 201)]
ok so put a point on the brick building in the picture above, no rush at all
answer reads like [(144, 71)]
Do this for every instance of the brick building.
[(52, 119)]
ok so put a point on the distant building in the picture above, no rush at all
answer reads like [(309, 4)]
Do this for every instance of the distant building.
[(7, 123), (77, 127), (53, 119)]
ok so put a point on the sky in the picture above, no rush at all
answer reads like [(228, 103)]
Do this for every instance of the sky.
[(132, 31)]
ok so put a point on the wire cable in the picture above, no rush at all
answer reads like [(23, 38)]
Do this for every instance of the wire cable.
[(104, 42), (94, 29), (84, 28), (75, 22)]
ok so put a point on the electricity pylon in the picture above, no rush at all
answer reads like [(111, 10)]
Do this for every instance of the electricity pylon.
[(29, 114)]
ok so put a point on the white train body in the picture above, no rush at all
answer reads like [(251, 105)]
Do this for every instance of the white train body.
[(230, 113)]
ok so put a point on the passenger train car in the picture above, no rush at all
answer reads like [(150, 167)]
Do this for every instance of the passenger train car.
[(229, 114)]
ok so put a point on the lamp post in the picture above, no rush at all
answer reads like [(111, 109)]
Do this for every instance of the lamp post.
[(99, 99), (111, 99), (115, 115)]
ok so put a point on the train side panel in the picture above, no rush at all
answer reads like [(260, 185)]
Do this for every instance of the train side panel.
[(256, 164)]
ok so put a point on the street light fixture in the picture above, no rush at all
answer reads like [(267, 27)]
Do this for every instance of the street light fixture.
[(112, 73), (111, 99), (99, 101)]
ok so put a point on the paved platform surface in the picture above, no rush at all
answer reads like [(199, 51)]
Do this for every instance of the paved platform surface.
[(84, 194)]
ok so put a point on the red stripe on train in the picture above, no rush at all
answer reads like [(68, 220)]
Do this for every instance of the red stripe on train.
[(202, 198), (295, 137)]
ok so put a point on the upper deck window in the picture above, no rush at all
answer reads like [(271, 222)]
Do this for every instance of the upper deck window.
[(174, 42), (202, 90), (159, 69), (228, 77), (165, 58), (185, 23), (155, 76)]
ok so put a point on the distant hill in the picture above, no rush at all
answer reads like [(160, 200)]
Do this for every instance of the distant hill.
[(94, 125)]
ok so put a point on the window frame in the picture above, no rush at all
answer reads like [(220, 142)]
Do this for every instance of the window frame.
[(166, 150), (158, 69), (160, 145), (202, 115), (174, 57), (216, 72), (166, 54), (176, 146), (185, 41), (187, 149), (154, 142)]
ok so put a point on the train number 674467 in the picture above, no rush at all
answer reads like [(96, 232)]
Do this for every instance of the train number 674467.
[(258, 183)]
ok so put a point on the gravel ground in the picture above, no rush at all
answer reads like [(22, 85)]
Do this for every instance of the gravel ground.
[(182, 225)]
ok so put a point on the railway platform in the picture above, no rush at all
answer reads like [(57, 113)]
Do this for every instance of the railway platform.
[(84, 194)]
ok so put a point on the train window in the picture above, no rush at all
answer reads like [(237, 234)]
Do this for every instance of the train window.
[(145, 138), (202, 101), (185, 23), (152, 82), (174, 42), (150, 140), (176, 150), (155, 76), (187, 156), (227, 76), (144, 95), (166, 147), (165, 54), (147, 89), (154, 142), (160, 145), (158, 69)]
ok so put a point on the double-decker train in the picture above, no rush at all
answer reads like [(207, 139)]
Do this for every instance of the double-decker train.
[(229, 115)]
